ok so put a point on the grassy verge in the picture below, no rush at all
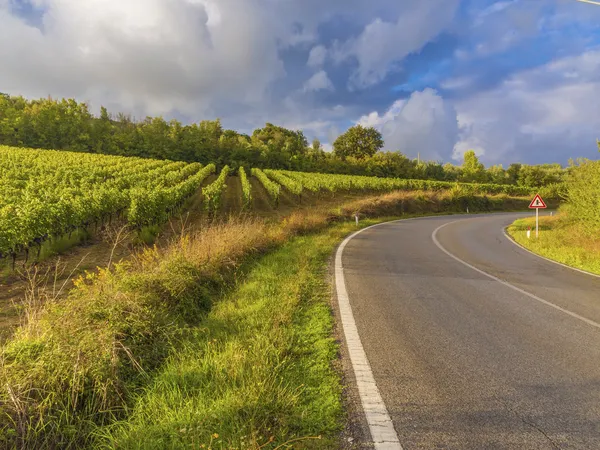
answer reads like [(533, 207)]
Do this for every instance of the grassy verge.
[(92, 360), (561, 240), (257, 373)]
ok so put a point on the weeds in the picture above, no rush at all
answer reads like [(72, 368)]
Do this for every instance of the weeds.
[(84, 363)]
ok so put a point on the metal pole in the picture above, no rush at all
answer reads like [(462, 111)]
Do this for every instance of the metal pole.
[(537, 221)]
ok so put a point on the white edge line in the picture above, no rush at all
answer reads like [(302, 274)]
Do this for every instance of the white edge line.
[(507, 236), (382, 430), (505, 283), (381, 427)]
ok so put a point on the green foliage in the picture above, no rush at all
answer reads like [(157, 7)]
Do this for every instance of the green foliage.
[(583, 194), (473, 171), (260, 365), (359, 142), (561, 239), (273, 189), (246, 188), (280, 140), (290, 184), (316, 182), (68, 125), (542, 175), (213, 193), (48, 194)]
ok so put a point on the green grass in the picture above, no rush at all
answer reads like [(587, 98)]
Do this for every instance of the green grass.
[(258, 370), (226, 331), (561, 240)]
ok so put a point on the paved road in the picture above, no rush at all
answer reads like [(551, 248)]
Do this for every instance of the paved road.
[(463, 361)]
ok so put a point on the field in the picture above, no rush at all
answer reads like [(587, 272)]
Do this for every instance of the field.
[(88, 210), (45, 195), (230, 297)]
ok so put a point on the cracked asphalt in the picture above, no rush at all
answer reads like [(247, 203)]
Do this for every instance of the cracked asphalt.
[(463, 361)]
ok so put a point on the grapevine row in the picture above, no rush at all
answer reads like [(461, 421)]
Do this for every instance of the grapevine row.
[(273, 189), (213, 193), (316, 182), (295, 187), (246, 188), (46, 194)]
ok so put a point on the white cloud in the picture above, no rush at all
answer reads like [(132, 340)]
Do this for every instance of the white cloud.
[(152, 56), (382, 43), (456, 83), (317, 56), (318, 82), (538, 114), (184, 58), (424, 124)]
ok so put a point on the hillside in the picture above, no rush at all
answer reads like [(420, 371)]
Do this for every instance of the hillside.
[(65, 124), (208, 226)]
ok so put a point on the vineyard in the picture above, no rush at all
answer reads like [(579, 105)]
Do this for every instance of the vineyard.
[(48, 194)]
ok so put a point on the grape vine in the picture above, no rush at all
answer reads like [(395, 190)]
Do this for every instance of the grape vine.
[(273, 189)]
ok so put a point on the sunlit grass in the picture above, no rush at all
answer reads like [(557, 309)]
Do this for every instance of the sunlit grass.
[(560, 239)]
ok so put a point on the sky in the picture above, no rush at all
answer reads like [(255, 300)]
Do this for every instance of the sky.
[(514, 80)]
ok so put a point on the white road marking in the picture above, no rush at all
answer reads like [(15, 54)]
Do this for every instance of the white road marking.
[(505, 283), (506, 235), (382, 430), (380, 423)]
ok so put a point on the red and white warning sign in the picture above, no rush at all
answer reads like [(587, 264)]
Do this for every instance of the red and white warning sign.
[(537, 203)]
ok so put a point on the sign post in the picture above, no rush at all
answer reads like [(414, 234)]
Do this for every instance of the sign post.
[(537, 203)]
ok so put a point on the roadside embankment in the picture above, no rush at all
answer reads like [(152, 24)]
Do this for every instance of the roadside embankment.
[(223, 334), (560, 239), (573, 236)]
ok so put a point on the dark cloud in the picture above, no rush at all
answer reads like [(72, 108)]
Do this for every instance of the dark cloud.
[(322, 66)]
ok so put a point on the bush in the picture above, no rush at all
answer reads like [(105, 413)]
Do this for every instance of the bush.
[(583, 194)]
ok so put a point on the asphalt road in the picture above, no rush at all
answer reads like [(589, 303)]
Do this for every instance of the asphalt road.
[(463, 361)]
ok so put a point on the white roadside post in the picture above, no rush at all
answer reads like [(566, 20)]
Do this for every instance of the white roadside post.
[(537, 203)]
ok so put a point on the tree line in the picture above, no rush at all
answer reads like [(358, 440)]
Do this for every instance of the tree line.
[(66, 124)]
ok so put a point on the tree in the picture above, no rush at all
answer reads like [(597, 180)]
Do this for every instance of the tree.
[(359, 142), (513, 172), (473, 170), (316, 145), (497, 174), (281, 140)]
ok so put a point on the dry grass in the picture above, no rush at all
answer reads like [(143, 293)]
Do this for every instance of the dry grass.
[(403, 202), (79, 362)]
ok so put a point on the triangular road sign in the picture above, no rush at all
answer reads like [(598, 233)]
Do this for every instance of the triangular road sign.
[(537, 203)]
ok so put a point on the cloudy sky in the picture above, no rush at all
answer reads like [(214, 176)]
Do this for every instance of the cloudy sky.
[(515, 80)]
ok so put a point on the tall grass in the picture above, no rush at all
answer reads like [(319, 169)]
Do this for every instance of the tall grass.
[(84, 362), (258, 372), (560, 239), (572, 237)]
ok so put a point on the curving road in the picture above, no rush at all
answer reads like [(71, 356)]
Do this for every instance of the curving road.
[(473, 342)]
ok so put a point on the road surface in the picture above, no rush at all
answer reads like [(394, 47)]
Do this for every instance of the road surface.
[(463, 360)]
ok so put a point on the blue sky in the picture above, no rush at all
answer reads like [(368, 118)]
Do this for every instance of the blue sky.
[(515, 80)]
